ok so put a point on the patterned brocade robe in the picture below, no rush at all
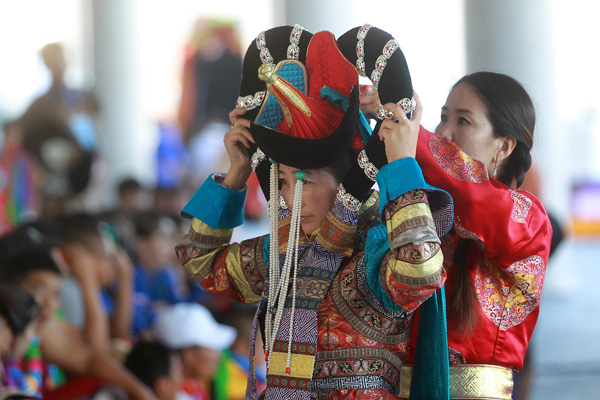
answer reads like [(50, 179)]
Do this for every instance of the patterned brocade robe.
[(507, 236), (362, 312)]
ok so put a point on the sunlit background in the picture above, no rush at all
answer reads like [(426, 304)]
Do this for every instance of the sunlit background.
[(131, 52)]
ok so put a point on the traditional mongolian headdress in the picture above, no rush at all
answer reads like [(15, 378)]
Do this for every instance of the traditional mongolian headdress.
[(301, 94)]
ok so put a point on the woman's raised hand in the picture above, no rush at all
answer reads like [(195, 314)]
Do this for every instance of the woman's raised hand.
[(401, 136), (237, 142)]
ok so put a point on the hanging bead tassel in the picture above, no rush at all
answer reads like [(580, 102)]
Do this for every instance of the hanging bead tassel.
[(273, 255), (296, 215), (278, 293)]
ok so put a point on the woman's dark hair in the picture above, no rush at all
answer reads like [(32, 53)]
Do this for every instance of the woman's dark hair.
[(340, 167), (511, 112)]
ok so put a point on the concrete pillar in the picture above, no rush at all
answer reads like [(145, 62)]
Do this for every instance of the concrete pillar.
[(123, 130), (516, 38)]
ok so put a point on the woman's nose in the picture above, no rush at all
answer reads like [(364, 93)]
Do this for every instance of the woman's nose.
[(444, 131)]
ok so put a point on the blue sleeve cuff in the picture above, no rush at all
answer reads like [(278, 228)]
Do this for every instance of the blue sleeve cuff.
[(398, 177), (217, 206)]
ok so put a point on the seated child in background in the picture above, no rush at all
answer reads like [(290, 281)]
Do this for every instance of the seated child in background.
[(101, 276), (156, 281), (158, 367), (35, 270), (190, 329), (18, 310)]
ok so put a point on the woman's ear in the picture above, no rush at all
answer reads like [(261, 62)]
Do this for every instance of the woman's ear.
[(507, 145)]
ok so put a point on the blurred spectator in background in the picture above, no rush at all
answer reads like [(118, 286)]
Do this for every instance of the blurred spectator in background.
[(19, 180), (55, 347), (156, 282), (190, 329), (132, 197), (97, 294), (18, 310), (59, 131), (169, 200), (213, 60), (232, 375), (159, 368), (212, 73)]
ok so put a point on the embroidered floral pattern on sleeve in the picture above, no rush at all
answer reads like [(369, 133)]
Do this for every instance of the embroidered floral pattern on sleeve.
[(508, 297), (521, 208), (455, 162)]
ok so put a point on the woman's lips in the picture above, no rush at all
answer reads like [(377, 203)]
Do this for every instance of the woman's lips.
[(303, 218)]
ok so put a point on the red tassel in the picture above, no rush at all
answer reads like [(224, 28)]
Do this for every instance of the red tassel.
[(287, 370)]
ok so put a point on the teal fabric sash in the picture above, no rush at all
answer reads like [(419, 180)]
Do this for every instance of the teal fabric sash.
[(430, 377)]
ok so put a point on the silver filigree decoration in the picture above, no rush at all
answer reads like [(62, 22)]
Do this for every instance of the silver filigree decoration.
[(265, 56), (261, 44), (349, 201), (360, 49), (408, 105), (362, 32), (380, 63), (360, 66), (250, 102), (293, 50), (282, 203), (390, 47), (256, 159), (376, 77), (384, 113), (370, 169)]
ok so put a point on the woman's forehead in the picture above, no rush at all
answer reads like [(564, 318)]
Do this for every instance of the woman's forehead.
[(291, 170)]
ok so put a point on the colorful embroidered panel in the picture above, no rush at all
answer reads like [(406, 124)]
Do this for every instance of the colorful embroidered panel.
[(455, 162), (507, 297), (521, 208)]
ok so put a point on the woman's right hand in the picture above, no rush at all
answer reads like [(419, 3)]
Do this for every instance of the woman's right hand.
[(401, 136), (237, 142)]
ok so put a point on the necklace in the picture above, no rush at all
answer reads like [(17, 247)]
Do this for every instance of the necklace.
[(279, 280)]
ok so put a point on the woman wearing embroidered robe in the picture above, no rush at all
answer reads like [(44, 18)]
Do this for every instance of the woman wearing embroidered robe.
[(335, 317), (497, 249)]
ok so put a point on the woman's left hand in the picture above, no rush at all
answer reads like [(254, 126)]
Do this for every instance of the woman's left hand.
[(401, 136)]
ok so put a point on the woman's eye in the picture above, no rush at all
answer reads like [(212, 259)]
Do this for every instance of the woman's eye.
[(304, 181), (443, 118), (282, 182), (463, 121)]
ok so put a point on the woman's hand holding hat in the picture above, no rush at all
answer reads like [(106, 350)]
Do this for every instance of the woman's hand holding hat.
[(401, 136), (237, 142)]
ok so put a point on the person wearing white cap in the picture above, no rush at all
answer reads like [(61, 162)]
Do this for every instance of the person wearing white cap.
[(191, 329)]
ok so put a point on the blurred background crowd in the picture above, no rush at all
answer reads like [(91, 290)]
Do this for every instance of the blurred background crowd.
[(113, 112)]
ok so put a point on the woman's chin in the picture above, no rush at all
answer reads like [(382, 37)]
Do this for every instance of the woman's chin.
[(307, 228)]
